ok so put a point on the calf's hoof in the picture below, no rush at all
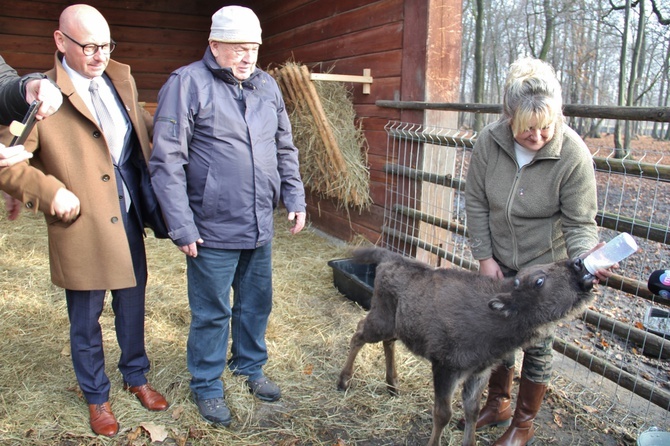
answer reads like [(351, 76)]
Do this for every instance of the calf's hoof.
[(392, 389), (343, 383)]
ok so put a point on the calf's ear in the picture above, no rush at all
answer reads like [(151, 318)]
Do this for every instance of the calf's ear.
[(503, 304)]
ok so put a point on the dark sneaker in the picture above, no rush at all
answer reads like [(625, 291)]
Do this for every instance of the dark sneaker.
[(264, 389), (214, 411)]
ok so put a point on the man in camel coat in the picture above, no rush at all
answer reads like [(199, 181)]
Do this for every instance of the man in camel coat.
[(85, 177)]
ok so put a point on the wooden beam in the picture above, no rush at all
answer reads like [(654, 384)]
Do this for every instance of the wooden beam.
[(366, 79), (651, 344), (618, 376), (654, 114)]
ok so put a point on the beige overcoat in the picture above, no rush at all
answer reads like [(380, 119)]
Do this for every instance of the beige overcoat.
[(92, 253)]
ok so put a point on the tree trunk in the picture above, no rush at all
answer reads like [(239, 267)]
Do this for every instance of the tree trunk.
[(619, 148), (594, 130), (549, 29), (634, 70), (479, 62)]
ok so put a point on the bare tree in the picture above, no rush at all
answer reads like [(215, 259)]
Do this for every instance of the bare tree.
[(594, 130), (479, 61), (548, 30), (621, 100), (634, 70), (602, 56), (657, 131)]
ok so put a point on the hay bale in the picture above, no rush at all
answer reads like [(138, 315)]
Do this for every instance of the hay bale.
[(333, 148)]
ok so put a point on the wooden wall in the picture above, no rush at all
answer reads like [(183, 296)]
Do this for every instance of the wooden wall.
[(413, 50), (153, 37), (391, 37)]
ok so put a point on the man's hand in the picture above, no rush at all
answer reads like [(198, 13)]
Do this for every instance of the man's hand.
[(191, 249), (13, 206), (299, 218), (65, 206), (43, 90), (12, 155)]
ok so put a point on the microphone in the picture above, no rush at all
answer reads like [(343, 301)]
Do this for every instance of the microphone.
[(659, 283)]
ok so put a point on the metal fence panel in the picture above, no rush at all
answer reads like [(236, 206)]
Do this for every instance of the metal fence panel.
[(614, 360)]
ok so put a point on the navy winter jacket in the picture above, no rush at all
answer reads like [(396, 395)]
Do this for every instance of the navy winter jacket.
[(223, 156)]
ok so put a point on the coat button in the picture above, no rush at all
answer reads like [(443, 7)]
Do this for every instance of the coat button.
[(29, 205), (97, 134), (105, 178), (115, 219)]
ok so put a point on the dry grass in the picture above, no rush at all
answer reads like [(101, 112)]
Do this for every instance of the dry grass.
[(310, 327), (307, 338)]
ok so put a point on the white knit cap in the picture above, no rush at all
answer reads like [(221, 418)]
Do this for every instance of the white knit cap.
[(235, 24)]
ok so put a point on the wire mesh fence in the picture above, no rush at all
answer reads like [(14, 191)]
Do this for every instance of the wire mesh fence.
[(614, 361)]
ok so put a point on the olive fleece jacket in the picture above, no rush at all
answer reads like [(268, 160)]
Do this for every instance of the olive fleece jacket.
[(541, 213)]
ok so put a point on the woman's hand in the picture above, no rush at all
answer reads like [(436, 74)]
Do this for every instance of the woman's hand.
[(490, 268)]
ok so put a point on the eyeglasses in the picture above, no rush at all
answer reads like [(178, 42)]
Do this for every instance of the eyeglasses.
[(91, 48)]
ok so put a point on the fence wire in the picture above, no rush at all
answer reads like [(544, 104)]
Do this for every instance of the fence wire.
[(614, 361)]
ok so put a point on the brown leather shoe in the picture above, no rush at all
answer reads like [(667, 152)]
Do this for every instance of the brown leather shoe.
[(149, 397), (103, 421)]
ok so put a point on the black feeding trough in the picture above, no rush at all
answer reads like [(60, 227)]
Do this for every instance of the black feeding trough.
[(354, 280)]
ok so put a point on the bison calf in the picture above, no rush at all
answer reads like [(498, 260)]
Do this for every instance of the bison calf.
[(463, 323)]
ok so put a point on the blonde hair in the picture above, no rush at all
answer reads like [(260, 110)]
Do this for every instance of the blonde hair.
[(532, 92)]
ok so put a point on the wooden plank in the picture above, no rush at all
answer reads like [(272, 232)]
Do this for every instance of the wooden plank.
[(369, 41), (28, 44), (25, 63), (271, 9), (415, 36), (618, 376), (149, 80), (383, 86), (117, 13), (383, 64), (650, 343), (147, 95), (331, 219), (121, 34), (377, 140), (327, 27), (25, 27), (654, 114), (341, 78), (284, 16)]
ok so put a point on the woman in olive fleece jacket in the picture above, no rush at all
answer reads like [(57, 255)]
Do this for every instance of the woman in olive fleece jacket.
[(540, 213), (530, 199)]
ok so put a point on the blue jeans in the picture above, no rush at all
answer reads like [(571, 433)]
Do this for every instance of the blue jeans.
[(210, 277)]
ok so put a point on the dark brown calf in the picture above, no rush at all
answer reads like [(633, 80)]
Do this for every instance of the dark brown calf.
[(463, 323)]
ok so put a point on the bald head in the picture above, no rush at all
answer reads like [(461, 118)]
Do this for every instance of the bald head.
[(81, 25), (84, 17)]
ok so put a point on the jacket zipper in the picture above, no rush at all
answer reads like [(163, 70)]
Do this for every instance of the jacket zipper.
[(510, 202)]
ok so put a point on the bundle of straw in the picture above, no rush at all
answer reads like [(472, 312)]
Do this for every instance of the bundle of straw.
[(333, 149)]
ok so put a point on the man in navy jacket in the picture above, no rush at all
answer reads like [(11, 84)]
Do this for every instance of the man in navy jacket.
[(223, 159)]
